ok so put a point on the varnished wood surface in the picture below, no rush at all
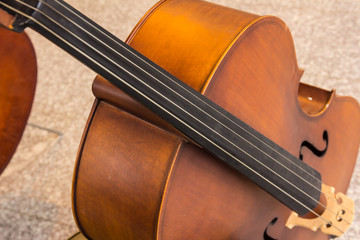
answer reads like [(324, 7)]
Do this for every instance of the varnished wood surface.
[(17, 89), (189, 28), (136, 198), (222, 198), (256, 77)]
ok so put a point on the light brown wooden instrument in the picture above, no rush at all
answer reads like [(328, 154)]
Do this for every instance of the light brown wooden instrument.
[(136, 177)]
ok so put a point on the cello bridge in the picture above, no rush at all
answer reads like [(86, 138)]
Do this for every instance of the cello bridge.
[(336, 218)]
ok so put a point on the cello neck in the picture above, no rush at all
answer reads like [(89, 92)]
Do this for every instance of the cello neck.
[(281, 174)]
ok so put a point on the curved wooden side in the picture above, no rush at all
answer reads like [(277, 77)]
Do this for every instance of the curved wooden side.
[(122, 167), (18, 72)]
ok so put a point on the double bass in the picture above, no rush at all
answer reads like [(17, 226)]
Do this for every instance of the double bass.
[(196, 168)]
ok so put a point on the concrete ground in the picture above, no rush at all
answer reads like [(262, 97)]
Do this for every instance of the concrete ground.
[(35, 189)]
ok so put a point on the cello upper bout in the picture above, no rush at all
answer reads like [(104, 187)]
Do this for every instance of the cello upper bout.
[(192, 41)]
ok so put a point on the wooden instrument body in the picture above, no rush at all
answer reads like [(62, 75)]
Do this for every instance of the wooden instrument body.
[(18, 72), (138, 178)]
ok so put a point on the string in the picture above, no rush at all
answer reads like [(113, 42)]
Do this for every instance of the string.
[(138, 57), (85, 55), (149, 74)]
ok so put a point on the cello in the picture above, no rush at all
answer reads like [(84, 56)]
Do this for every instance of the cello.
[(17, 88), (172, 185)]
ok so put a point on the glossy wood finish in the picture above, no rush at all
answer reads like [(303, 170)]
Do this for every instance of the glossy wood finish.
[(17, 89), (136, 178), (194, 35), (132, 189), (272, 108)]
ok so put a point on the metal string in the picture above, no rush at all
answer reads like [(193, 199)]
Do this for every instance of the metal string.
[(84, 54), (149, 74), (109, 37)]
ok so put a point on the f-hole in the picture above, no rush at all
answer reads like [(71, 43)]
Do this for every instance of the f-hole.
[(313, 149), (266, 236)]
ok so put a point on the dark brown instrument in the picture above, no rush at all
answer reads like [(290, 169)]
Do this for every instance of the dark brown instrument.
[(17, 88), (200, 171)]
